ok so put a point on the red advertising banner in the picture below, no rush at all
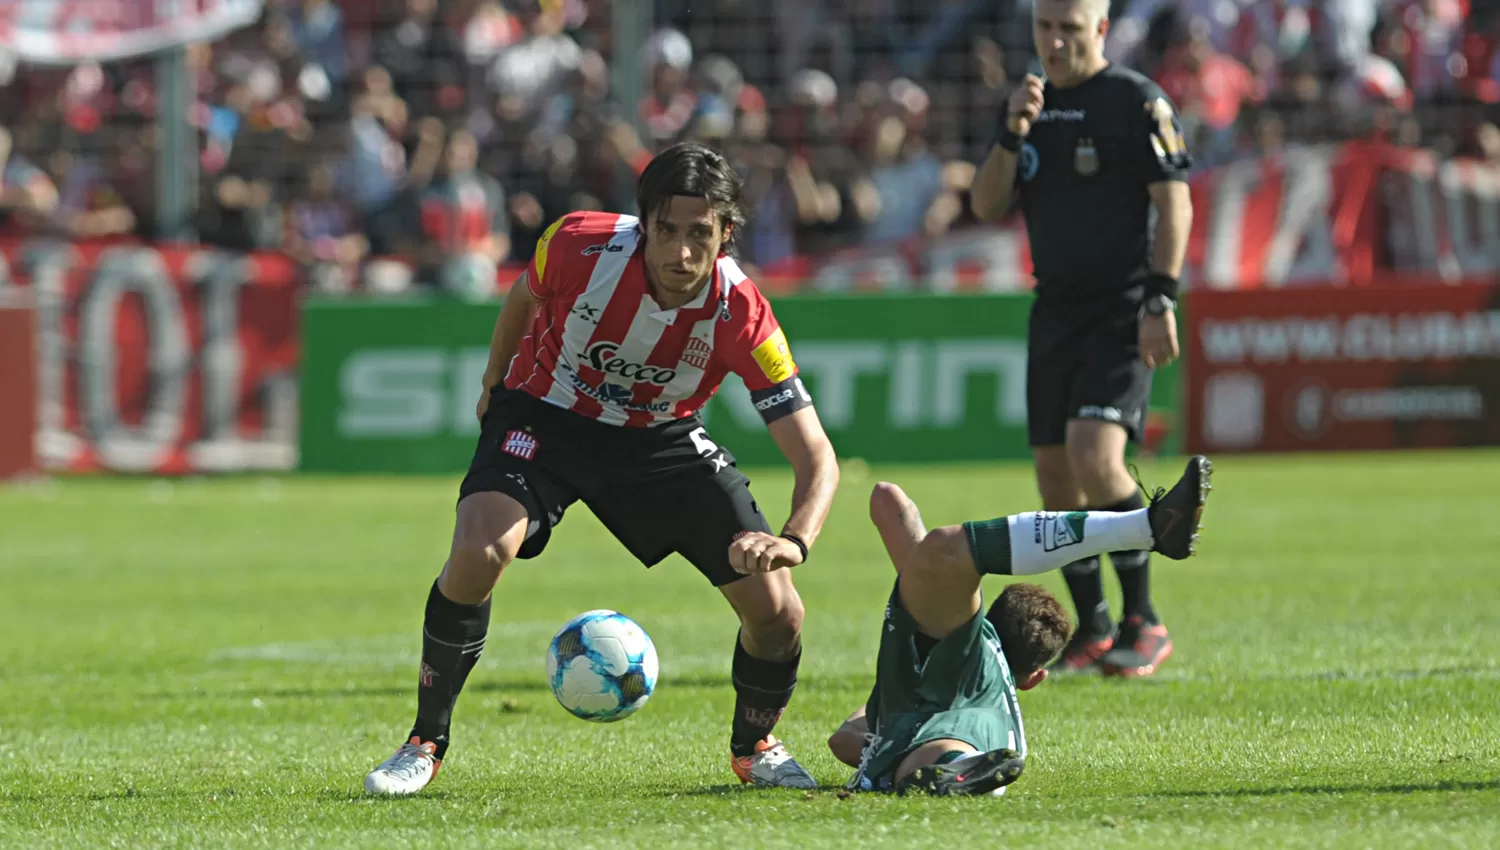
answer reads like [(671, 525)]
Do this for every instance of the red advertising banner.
[(17, 385), (162, 360), (1327, 369)]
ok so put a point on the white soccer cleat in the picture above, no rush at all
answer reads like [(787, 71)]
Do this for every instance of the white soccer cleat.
[(406, 772), (772, 767)]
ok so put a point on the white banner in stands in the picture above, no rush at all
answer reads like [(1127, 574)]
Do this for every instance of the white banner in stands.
[(69, 32)]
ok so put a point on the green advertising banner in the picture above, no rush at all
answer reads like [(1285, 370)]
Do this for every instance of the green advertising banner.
[(903, 378), (390, 386)]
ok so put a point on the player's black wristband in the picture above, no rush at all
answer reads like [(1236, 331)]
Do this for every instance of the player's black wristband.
[(801, 544), (1158, 283), (1009, 139)]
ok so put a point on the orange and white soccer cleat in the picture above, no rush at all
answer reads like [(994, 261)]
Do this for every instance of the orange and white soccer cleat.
[(771, 767)]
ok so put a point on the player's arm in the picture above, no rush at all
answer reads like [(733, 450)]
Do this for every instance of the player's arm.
[(535, 285), (848, 742), (762, 358), (795, 427), (516, 316), (801, 438)]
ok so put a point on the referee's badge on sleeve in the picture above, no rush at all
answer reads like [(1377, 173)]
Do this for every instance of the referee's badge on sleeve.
[(1086, 158), (1166, 139)]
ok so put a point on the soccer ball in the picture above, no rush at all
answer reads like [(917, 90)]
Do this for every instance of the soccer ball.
[(602, 666)]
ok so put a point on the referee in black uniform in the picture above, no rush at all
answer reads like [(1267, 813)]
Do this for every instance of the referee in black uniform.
[(1089, 152)]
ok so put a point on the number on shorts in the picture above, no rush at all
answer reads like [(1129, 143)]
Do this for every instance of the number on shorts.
[(702, 443)]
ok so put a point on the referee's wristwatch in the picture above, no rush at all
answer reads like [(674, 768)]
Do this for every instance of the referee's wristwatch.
[(1157, 305)]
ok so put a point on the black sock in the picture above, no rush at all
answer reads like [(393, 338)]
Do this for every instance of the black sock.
[(1134, 569), (762, 690), (452, 638), (1086, 586)]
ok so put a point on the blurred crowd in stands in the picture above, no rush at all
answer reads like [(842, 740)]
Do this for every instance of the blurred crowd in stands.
[(445, 136)]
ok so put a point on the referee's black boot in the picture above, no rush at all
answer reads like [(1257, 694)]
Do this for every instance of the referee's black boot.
[(1175, 514)]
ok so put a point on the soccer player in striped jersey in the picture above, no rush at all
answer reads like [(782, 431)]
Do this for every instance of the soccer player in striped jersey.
[(943, 717), (602, 358)]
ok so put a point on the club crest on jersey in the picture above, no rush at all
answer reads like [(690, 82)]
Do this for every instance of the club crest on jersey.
[(605, 356), (1086, 158), (697, 353)]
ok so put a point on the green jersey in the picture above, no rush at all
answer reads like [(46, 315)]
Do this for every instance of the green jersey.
[(962, 689)]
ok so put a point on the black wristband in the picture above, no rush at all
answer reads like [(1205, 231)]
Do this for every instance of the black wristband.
[(1158, 283), (801, 544), (1009, 139)]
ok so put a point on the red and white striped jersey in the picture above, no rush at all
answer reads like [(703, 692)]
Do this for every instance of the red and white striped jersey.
[(602, 347)]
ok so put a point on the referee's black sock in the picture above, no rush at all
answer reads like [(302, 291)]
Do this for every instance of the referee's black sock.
[(452, 638), (1086, 586), (762, 690), (1134, 569)]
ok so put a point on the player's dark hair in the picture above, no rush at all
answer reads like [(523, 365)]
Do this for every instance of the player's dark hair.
[(1032, 625), (695, 171)]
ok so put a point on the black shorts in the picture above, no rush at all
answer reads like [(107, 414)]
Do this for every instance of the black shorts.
[(659, 490), (1084, 368)]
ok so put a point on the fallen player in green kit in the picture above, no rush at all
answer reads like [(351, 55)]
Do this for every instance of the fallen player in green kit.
[(943, 716)]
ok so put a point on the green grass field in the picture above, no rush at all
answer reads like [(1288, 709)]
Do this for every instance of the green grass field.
[(218, 663)]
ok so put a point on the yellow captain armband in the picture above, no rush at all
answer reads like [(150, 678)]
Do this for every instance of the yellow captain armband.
[(774, 358), (540, 258)]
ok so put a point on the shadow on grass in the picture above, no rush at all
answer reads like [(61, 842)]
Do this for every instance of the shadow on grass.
[(1402, 788)]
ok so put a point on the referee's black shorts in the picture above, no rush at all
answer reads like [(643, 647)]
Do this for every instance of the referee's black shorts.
[(659, 490), (1084, 365)]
